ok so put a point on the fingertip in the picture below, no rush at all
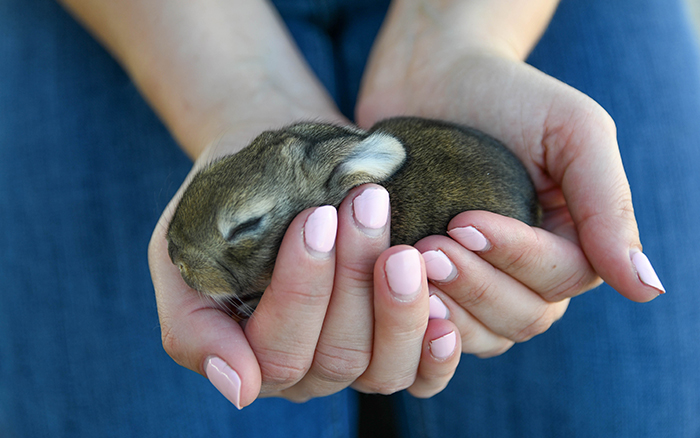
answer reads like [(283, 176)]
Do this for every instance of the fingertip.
[(470, 237), (224, 378), (646, 272), (442, 339), (441, 353), (443, 347), (613, 248), (632, 276), (209, 342), (438, 309), (320, 230), (238, 381), (646, 275), (404, 274), (438, 266), (371, 209)]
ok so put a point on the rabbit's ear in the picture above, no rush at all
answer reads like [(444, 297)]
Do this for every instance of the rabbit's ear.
[(373, 159)]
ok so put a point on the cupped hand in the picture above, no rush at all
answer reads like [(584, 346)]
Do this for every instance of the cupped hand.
[(370, 327), (332, 316), (502, 281), (447, 65), (566, 141)]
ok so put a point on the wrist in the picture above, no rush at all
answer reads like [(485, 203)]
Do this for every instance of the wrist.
[(509, 28), (208, 90)]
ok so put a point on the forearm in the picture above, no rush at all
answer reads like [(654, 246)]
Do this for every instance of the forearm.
[(207, 65)]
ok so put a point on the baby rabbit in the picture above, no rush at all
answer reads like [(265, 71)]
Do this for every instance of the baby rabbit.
[(229, 225)]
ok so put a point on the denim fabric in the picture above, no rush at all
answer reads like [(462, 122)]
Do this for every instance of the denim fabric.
[(336, 37), (609, 368), (86, 169)]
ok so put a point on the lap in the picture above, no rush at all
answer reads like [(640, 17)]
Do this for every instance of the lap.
[(610, 367), (85, 170)]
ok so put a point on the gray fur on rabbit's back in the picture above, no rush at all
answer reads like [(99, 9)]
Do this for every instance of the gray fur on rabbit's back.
[(228, 226)]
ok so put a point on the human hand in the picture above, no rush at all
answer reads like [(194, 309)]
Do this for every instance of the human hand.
[(500, 279), (438, 65), (354, 313), (319, 327)]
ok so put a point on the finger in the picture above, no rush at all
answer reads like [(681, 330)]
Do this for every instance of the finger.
[(285, 327), (198, 335), (500, 302), (583, 154), (439, 358), (553, 266), (477, 339), (401, 310), (345, 346)]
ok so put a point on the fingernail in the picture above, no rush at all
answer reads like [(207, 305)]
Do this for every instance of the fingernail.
[(403, 273), (320, 229), (470, 238), (443, 347), (438, 309), (225, 379), (438, 266), (371, 208), (646, 272)]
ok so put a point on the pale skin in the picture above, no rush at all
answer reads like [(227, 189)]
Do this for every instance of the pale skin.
[(329, 319)]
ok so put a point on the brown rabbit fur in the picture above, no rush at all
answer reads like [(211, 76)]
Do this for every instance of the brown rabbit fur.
[(228, 227)]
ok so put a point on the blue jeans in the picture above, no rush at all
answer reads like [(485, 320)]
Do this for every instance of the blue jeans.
[(86, 169)]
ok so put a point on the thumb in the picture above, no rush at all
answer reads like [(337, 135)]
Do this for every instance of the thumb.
[(197, 334), (583, 155)]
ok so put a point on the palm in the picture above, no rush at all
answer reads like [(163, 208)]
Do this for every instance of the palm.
[(566, 141)]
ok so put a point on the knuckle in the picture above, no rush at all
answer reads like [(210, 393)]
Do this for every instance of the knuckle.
[(496, 350), (298, 397), (358, 274), (604, 119), (340, 365), (438, 376), (571, 120), (577, 283), (176, 349), (387, 387), (427, 391), (281, 370), (475, 296), (301, 295), (538, 325), (589, 114), (527, 255), (171, 344), (473, 342)]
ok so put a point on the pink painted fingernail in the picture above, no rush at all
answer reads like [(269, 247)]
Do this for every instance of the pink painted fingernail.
[(646, 272), (320, 229), (470, 238), (403, 273), (371, 208), (438, 309), (225, 379), (438, 266), (443, 347)]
